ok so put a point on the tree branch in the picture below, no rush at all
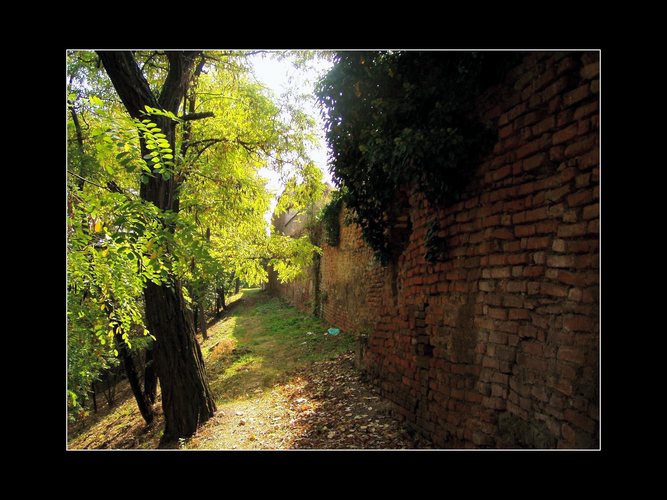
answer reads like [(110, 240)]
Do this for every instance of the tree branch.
[(129, 81), (111, 185), (197, 116), (173, 89)]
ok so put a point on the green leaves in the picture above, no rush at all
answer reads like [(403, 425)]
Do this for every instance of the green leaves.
[(161, 155), (403, 121)]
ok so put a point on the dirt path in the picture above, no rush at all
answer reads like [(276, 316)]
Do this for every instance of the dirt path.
[(326, 406), (279, 383)]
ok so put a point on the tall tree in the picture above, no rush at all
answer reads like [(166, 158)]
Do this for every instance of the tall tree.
[(186, 398), (184, 204)]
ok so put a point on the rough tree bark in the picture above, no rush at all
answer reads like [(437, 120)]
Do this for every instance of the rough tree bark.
[(186, 398), (92, 392), (150, 377), (133, 378), (202, 321)]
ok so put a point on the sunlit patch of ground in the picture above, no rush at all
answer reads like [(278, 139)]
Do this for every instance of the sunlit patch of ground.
[(279, 383)]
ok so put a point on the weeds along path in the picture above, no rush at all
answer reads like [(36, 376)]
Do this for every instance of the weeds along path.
[(279, 383)]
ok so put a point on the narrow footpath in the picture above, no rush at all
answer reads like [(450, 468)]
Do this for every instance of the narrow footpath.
[(279, 383)]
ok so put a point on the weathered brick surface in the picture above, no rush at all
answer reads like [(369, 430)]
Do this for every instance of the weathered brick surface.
[(497, 345)]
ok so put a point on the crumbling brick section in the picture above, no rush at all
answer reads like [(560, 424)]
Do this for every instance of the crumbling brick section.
[(497, 345)]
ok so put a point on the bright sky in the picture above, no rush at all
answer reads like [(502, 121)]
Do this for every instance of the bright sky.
[(280, 76)]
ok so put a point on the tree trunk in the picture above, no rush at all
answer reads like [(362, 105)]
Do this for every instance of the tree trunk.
[(237, 286), (150, 377), (132, 377), (221, 295), (202, 320), (92, 391), (79, 141), (195, 317), (186, 398)]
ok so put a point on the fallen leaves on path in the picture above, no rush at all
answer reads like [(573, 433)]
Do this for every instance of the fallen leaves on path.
[(326, 406)]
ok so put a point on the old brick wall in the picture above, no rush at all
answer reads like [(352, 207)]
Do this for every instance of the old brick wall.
[(498, 344)]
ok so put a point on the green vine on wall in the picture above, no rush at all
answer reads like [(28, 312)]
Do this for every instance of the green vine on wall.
[(330, 217), (405, 120)]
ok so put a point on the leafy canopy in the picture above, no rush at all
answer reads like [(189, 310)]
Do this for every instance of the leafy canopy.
[(404, 120), (117, 242)]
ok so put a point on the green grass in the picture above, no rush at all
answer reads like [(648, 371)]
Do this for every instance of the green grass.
[(260, 342)]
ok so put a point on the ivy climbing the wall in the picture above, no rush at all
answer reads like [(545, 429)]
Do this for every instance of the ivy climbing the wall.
[(330, 217), (405, 120)]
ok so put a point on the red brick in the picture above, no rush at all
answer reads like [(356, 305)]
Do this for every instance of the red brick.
[(591, 211), (501, 173), (533, 271), (538, 242), (582, 180), (525, 230), (568, 436), (497, 259), (556, 153), (558, 246), (581, 421), (595, 86), (533, 348), (556, 210), (521, 258), (497, 313), (571, 354), (593, 226), (526, 188), (546, 227), (511, 246), (583, 126), (537, 214), (570, 216), (503, 234), (506, 131), (553, 290), (564, 65), (516, 286), (557, 194), (560, 261), (532, 363), (579, 323), (518, 314), (564, 117), (527, 331), (533, 162), (576, 95), (500, 272), (575, 295), (545, 125), (555, 88), (539, 257), (565, 134), (577, 279), (569, 230), (590, 71), (580, 147), (516, 111), (486, 323), (493, 220), (579, 246), (498, 338), (528, 149), (512, 300), (590, 159), (586, 110)]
